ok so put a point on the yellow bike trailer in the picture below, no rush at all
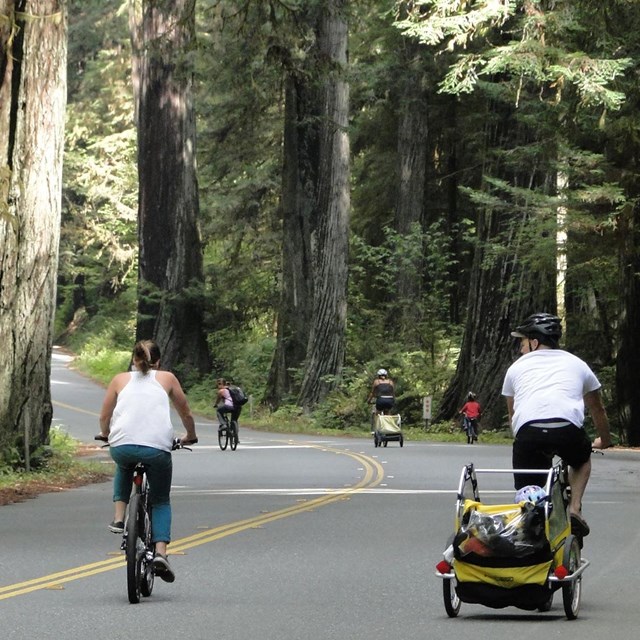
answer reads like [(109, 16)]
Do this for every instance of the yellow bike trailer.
[(512, 554)]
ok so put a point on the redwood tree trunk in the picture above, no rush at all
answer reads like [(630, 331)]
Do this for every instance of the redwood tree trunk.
[(504, 289), (299, 176), (410, 208), (330, 238), (33, 56), (629, 351), (487, 347), (170, 263)]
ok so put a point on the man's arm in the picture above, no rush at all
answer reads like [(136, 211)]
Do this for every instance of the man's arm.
[(593, 402)]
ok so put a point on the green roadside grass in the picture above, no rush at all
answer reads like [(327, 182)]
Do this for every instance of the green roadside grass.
[(60, 466), (306, 426)]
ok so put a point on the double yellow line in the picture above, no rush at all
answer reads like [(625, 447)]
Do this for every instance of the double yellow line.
[(373, 476)]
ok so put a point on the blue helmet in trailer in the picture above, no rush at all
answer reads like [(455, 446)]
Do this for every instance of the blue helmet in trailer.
[(530, 493)]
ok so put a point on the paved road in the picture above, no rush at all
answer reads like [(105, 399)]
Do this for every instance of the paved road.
[(293, 538)]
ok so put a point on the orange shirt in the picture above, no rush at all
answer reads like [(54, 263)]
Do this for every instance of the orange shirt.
[(471, 409)]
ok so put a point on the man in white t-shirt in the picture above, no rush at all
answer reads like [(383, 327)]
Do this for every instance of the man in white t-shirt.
[(547, 390)]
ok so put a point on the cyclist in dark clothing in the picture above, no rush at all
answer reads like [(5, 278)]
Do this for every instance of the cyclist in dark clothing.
[(383, 393), (383, 390), (225, 404)]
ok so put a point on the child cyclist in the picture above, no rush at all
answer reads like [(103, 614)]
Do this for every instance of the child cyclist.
[(471, 412)]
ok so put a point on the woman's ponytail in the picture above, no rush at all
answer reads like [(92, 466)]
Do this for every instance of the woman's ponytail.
[(146, 355)]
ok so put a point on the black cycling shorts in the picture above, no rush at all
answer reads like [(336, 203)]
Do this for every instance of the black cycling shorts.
[(384, 403), (535, 447)]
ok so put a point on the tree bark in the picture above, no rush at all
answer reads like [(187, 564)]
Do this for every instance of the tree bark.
[(33, 54), (330, 238), (410, 207), (487, 347), (315, 202), (170, 307), (629, 350), (503, 289), (299, 177)]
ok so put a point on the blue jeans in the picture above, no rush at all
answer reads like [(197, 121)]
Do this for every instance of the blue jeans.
[(159, 472)]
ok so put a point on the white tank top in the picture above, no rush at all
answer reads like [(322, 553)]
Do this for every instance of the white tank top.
[(142, 414)]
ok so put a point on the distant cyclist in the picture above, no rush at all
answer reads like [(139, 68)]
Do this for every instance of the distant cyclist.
[(471, 412), (225, 405), (383, 391), (135, 416), (547, 390)]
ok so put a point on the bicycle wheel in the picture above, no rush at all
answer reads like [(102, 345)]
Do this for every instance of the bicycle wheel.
[(146, 562), (233, 435), (571, 591), (223, 437), (451, 600), (134, 549)]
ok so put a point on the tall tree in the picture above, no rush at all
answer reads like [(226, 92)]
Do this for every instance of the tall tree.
[(330, 238), (412, 168), (98, 242), (627, 363), (615, 134), (298, 203), (533, 83), (315, 210), (170, 305), (33, 50)]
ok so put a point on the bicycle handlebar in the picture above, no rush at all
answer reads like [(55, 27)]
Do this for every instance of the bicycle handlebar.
[(177, 443)]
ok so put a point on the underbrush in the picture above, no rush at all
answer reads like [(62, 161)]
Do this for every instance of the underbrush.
[(343, 413), (56, 467)]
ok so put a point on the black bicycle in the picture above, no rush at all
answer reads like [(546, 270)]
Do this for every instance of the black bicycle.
[(228, 433), (136, 539), (470, 427)]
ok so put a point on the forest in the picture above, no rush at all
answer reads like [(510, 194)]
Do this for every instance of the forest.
[(292, 194)]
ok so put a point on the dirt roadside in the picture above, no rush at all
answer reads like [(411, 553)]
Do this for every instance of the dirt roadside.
[(79, 475)]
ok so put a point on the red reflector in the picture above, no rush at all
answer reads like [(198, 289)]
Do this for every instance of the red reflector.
[(137, 480), (443, 567), (561, 572)]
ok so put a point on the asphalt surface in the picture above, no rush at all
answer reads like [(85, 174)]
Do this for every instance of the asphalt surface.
[(294, 538)]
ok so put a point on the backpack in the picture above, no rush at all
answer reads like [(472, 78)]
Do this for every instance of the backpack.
[(238, 396)]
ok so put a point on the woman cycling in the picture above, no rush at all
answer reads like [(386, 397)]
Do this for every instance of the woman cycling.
[(225, 404), (135, 417), (383, 391)]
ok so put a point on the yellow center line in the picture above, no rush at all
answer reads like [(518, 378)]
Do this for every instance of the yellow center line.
[(55, 403), (373, 476)]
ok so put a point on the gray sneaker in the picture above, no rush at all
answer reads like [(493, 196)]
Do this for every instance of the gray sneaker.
[(162, 568), (116, 526)]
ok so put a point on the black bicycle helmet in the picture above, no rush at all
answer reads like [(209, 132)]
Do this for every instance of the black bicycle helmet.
[(544, 324)]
